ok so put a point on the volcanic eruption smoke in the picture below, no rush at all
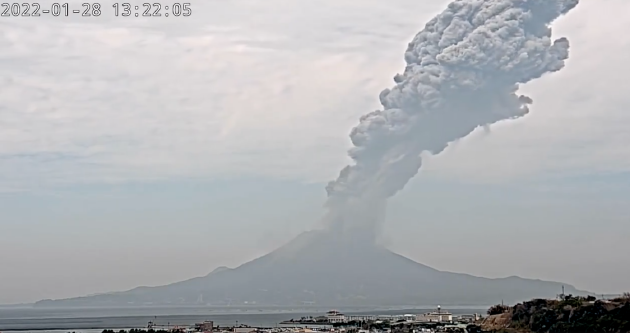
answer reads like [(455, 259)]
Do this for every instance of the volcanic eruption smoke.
[(463, 71)]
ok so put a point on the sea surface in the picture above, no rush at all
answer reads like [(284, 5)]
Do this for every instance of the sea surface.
[(38, 320)]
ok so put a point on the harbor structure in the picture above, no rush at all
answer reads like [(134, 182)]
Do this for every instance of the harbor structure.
[(335, 316), (409, 317), (205, 327), (362, 318), (469, 318), (244, 329), (439, 316)]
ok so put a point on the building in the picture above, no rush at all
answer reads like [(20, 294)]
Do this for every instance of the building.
[(205, 327), (456, 327), (360, 318), (386, 318), (439, 316), (470, 318), (335, 316), (409, 317)]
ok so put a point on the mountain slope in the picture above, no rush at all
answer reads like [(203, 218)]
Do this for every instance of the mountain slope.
[(330, 269)]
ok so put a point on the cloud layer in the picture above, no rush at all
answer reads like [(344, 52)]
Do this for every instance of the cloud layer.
[(226, 94)]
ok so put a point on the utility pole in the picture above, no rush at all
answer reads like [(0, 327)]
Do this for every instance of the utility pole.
[(561, 296)]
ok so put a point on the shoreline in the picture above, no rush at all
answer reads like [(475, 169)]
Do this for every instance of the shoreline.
[(145, 329)]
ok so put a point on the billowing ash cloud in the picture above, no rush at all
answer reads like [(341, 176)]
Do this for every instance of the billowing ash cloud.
[(463, 71)]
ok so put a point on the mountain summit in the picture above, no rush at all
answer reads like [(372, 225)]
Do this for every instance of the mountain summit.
[(327, 268)]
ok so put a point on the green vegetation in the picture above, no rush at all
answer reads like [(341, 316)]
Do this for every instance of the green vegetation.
[(498, 309), (571, 314)]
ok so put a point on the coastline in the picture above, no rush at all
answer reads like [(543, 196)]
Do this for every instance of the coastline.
[(38, 320)]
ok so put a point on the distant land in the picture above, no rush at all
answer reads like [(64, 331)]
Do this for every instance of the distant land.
[(16, 306), (323, 268)]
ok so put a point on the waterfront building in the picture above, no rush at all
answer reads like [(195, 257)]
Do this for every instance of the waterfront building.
[(469, 317), (205, 327), (439, 316), (335, 316), (360, 318), (409, 317)]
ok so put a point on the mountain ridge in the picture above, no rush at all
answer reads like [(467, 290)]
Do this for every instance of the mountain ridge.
[(325, 268)]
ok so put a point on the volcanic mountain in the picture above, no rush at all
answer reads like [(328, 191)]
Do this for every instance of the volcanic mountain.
[(327, 268)]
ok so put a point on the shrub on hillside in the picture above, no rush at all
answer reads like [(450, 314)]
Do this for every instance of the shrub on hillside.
[(498, 309)]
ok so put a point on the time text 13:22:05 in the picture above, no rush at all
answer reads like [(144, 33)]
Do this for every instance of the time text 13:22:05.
[(152, 9)]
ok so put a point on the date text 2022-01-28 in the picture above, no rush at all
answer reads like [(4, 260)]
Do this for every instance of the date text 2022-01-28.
[(123, 9)]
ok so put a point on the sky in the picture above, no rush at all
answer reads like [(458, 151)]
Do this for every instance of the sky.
[(139, 151)]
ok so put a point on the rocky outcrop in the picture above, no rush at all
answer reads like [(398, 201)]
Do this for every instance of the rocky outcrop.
[(497, 322), (572, 314)]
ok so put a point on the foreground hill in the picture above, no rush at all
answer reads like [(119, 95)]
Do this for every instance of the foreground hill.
[(325, 268), (573, 314)]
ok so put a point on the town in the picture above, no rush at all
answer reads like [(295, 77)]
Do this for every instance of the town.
[(437, 316), (438, 320)]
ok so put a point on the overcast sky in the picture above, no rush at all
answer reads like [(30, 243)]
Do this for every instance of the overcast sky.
[(146, 151)]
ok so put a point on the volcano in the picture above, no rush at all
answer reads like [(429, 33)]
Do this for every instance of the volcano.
[(328, 268)]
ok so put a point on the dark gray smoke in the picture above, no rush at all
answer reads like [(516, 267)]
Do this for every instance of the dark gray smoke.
[(463, 71)]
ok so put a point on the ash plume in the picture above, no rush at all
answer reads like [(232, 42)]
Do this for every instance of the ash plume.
[(463, 71)]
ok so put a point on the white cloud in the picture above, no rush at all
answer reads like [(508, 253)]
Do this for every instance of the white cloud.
[(253, 88), (578, 122)]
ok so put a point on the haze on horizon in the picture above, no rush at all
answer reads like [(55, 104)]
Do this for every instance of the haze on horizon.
[(139, 152)]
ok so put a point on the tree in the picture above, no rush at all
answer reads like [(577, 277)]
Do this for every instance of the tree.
[(498, 309)]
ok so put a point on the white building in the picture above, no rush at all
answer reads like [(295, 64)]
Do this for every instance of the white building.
[(335, 316), (243, 329), (409, 317), (360, 318), (470, 317), (439, 316)]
